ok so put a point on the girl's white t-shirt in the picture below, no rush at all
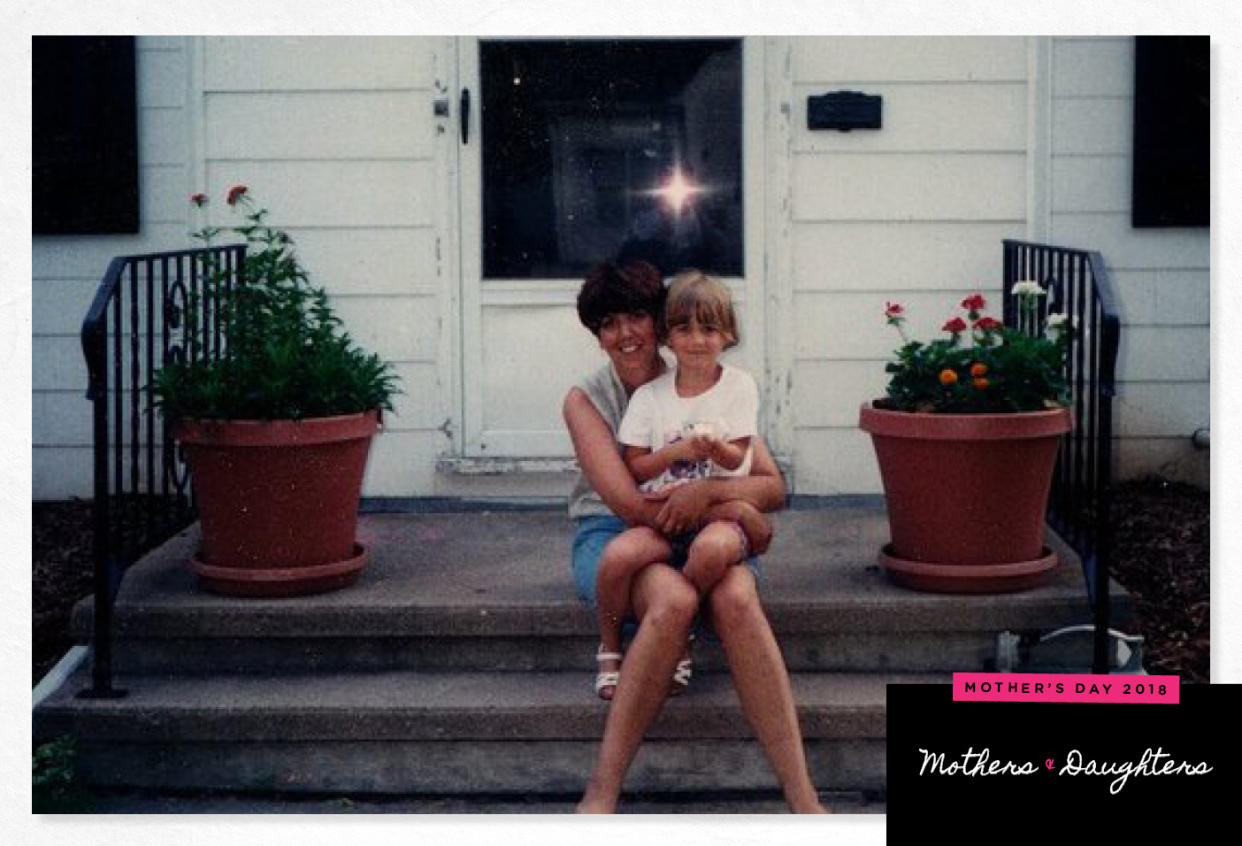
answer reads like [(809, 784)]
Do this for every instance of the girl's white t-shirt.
[(657, 416)]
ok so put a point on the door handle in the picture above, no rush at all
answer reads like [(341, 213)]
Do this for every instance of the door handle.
[(465, 116)]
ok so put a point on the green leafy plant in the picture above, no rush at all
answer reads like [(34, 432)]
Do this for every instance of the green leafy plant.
[(982, 367), (55, 786), (285, 353)]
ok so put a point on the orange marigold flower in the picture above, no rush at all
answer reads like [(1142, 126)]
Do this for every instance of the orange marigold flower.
[(948, 377), (978, 369), (981, 383)]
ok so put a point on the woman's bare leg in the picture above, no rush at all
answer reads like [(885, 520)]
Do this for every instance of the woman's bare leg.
[(762, 684), (665, 604), (625, 555)]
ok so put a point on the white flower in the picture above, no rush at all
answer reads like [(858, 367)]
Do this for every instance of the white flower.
[(1027, 288), (1057, 320)]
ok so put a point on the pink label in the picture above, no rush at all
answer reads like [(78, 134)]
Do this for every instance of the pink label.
[(1065, 687)]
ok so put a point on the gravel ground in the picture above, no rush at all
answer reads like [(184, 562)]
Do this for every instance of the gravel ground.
[(1161, 556)]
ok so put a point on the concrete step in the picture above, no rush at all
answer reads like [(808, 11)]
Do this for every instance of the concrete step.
[(129, 801), (448, 733), (493, 591)]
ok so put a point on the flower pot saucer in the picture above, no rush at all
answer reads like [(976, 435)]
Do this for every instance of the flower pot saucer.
[(280, 581), (962, 578)]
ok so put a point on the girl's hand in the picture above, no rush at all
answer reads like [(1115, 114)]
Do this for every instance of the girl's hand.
[(693, 448)]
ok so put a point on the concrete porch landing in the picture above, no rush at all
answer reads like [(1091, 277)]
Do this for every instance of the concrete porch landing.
[(461, 662)]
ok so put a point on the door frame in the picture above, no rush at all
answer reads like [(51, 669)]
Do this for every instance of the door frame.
[(469, 438)]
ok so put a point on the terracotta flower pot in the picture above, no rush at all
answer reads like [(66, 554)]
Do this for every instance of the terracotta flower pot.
[(278, 502), (966, 496)]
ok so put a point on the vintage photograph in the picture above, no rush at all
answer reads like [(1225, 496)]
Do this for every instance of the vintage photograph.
[(468, 425)]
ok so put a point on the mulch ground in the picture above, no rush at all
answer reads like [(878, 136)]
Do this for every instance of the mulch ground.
[(1161, 556)]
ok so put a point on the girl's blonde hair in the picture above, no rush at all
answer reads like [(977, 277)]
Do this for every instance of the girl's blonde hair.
[(693, 295)]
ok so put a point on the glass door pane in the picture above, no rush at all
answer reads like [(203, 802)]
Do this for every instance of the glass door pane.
[(618, 149)]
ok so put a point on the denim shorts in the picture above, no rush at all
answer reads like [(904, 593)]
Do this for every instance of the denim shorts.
[(591, 535)]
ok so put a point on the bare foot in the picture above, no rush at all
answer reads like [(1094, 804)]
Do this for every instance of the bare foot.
[(593, 803)]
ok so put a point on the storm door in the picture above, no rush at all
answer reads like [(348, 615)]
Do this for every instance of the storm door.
[(575, 152)]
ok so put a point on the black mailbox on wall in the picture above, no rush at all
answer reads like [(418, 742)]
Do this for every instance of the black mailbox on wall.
[(843, 110)]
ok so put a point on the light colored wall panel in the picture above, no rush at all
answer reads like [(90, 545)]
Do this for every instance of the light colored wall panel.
[(71, 256), (918, 59), (58, 305), (909, 187), (1164, 353), (851, 325), (1177, 409), (161, 42), (1173, 458), (544, 340), (353, 193), (1164, 297), (1091, 184), (396, 328), (327, 124), (61, 473), (162, 197), (1093, 67), (369, 261), (418, 406), (1129, 248), (1183, 296), (898, 256), (1092, 125), (834, 461), (920, 118), (161, 136), (403, 463), (57, 363), (310, 63), (61, 418), (829, 393), (161, 77)]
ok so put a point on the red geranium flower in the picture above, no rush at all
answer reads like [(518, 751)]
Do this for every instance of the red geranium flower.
[(974, 302), (235, 194), (199, 200), (955, 325), (988, 323)]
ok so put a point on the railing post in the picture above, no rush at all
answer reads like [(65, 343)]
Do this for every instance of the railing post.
[(95, 348)]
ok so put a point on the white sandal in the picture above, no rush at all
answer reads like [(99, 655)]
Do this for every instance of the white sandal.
[(606, 678), (682, 673)]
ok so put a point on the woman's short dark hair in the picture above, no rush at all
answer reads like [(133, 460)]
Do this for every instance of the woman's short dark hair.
[(608, 289)]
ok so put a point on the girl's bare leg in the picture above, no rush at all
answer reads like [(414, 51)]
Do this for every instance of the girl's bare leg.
[(622, 559), (665, 604), (762, 684), (717, 548)]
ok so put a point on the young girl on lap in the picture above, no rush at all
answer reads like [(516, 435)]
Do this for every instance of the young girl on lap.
[(693, 422)]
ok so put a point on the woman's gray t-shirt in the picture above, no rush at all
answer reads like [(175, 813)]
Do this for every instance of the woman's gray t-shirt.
[(608, 394)]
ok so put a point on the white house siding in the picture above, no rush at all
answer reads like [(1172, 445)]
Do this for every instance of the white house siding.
[(66, 270), (1161, 276), (982, 139), (335, 136), (913, 212)]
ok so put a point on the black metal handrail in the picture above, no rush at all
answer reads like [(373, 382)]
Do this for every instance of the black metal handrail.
[(1077, 284), (142, 318)]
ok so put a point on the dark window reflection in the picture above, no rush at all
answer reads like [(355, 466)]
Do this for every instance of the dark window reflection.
[(580, 137)]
